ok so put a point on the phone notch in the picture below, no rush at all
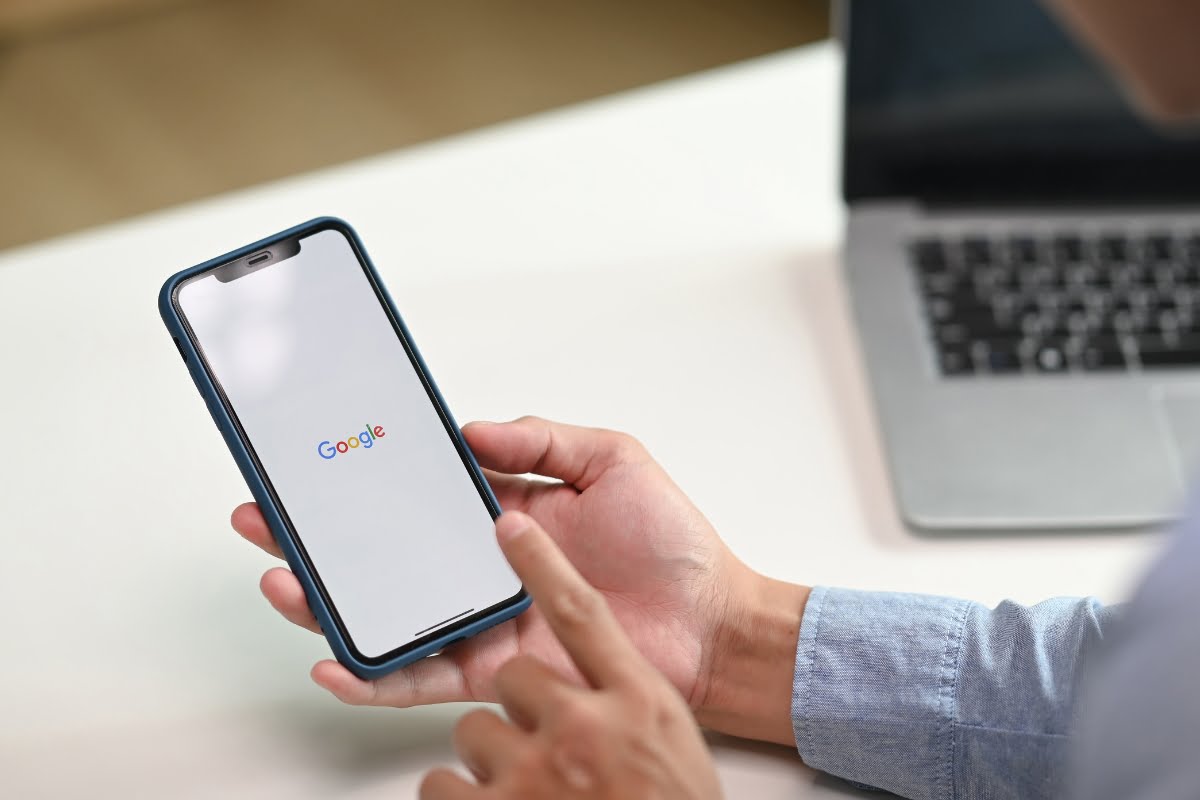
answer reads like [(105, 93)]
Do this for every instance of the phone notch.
[(274, 254)]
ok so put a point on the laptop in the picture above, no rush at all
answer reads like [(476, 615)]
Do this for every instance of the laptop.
[(1023, 262)]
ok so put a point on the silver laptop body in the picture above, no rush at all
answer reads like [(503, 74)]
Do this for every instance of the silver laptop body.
[(1023, 263)]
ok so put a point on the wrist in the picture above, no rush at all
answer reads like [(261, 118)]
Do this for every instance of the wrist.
[(748, 686)]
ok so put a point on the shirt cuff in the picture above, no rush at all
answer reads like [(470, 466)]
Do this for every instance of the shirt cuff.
[(873, 691)]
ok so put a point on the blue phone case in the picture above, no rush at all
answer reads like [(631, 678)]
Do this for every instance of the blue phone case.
[(204, 382)]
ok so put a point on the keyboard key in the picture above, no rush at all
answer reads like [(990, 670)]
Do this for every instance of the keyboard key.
[(939, 282), (959, 305), (930, 255), (1035, 277), (1191, 250), (977, 251), (940, 309), (1139, 297), (1157, 248), (1098, 301), (1002, 356), (1101, 353), (1032, 324), (973, 331), (975, 316), (955, 360), (954, 334), (1080, 275), (990, 280), (1132, 320), (1078, 322), (1112, 248), (1051, 299), (1023, 250), (1068, 249), (967, 329), (1126, 276), (1167, 274), (1187, 296), (1050, 358)]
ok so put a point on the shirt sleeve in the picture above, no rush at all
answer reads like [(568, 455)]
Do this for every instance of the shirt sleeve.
[(934, 698)]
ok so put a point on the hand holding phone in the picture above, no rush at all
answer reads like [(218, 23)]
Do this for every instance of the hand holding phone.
[(670, 581)]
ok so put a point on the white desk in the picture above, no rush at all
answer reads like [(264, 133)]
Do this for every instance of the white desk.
[(663, 262)]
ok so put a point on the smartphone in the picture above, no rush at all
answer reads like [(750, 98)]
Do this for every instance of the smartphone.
[(346, 444)]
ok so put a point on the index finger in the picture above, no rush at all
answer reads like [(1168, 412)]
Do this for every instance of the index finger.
[(575, 611)]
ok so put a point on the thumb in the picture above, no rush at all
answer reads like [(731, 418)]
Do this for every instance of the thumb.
[(570, 453)]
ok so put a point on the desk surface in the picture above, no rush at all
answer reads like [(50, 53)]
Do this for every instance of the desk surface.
[(663, 262)]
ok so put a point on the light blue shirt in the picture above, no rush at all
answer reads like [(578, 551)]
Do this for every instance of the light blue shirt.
[(934, 698)]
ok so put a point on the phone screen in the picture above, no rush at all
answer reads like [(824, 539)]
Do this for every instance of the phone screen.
[(360, 459)]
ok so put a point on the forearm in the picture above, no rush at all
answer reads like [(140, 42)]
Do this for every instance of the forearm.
[(927, 697), (754, 647)]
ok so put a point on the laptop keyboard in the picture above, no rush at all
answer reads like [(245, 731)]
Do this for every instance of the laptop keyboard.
[(1061, 303)]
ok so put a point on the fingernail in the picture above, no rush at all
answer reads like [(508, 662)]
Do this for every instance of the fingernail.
[(511, 525), (481, 422)]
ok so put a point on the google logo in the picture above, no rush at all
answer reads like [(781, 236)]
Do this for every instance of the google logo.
[(366, 439)]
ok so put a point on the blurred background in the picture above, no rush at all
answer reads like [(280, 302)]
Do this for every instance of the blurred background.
[(110, 108)]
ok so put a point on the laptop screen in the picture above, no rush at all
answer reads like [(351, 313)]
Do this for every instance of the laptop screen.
[(991, 101)]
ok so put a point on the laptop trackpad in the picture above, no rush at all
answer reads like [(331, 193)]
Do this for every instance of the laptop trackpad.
[(1182, 410)]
